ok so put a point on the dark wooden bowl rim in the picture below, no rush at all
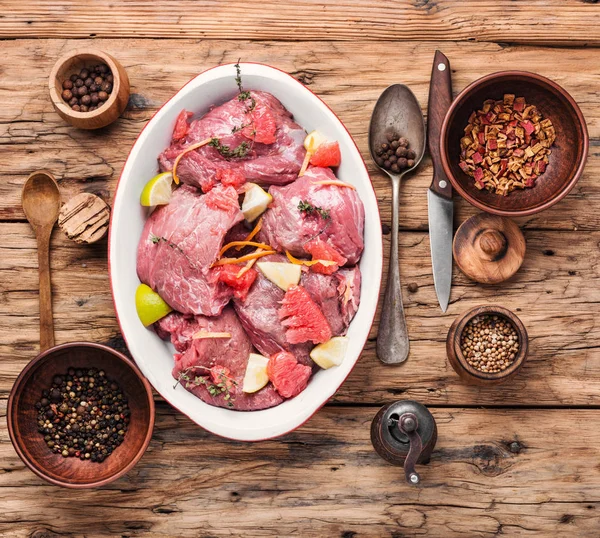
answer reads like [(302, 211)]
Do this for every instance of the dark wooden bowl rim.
[(18, 386), (497, 311), (514, 212)]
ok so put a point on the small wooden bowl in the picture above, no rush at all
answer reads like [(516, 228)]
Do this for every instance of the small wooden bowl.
[(22, 415), (458, 361), (72, 63), (567, 159)]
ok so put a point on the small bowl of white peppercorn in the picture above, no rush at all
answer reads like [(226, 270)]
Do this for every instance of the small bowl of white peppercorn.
[(487, 345)]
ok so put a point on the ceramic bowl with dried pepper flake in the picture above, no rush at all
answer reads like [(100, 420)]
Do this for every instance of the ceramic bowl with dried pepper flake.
[(551, 143)]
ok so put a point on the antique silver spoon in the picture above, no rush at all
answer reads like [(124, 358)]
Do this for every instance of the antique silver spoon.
[(396, 111)]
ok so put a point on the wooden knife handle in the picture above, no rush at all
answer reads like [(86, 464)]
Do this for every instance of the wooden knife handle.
[(440, 98)]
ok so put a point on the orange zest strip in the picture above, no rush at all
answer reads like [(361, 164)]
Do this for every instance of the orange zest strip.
[(308, 263), (228, 261), (334, 182), (248, 266), (243, 244), (207, 334), (305, 163), (251, 235), (187, 150)]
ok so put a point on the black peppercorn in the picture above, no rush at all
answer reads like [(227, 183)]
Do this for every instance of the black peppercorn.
[(403, 142), (84, 73), (82, 91), (67, 95), (88, 81), (391, 136), (410, 154), (67, 84), (392, 159), (110, 78), (401, 152), (86, 100), (394, 144), (75, 108), (94, 87), (83, 108), (394, 168), (402, 163), (410, 163), (387, 164), (78, 83), (103, 68), (385, 146)]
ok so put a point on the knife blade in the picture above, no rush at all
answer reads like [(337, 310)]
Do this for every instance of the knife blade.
[(439, 195)]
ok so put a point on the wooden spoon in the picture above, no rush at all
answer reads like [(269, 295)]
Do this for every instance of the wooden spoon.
[(41, 204)]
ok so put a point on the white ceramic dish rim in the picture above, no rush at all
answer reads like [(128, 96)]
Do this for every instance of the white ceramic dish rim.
[(277, 421)]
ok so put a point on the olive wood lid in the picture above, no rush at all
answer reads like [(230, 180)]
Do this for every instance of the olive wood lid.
[(488, 248)]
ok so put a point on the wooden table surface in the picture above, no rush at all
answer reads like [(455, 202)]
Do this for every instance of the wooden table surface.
[(515, 460)]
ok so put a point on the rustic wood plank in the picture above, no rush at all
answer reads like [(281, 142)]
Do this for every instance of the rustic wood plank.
[(349, 76), (513, 473), (542, 21), (556, 293)]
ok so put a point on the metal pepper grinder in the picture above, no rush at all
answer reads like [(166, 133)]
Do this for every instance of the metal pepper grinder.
[(404, 433)]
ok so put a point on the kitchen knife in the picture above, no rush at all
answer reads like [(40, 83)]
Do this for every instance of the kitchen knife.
[(439, 195)]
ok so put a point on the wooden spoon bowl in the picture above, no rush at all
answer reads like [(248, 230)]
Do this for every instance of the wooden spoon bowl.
[(458, 361), (22, 415), (567, 159), (73, 63)]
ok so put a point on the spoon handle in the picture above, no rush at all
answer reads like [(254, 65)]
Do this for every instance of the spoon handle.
[(46, 321), (392, 339)]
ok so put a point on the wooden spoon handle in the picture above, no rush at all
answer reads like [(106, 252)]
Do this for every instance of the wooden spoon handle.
[(46, 321)]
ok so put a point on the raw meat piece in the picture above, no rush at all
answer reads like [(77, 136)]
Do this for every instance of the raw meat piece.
[(337, 295), (179, 243), (277, 162), (288, 376), (303, 318), (208, 357), (258, 314), (285, 227)]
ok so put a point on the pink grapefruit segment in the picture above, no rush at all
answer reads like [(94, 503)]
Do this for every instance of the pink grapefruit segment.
[(303, 318), (321, 250), (288, 376)]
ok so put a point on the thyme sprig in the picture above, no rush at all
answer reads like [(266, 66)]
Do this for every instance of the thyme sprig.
[(240, 151), (308, 208), (214, 389), (157, 239)]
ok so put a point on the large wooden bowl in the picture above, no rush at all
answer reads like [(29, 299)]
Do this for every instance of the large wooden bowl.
[(73, 63), (568, 156), (22, 415)]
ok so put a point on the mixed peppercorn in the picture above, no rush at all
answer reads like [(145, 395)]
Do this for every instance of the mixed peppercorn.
[(489, 343), (394, 154), (83, 414), (89, 89)]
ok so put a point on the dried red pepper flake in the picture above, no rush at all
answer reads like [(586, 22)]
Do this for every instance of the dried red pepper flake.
[(506, 145)]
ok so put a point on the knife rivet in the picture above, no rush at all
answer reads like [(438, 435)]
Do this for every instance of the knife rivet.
[(442, 67), (443, 184)]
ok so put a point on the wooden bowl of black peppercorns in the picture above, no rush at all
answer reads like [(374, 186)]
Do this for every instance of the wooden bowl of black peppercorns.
[(89, 88), (89, 442)]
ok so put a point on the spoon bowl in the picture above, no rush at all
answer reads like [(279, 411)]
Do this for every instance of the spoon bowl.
[(41, 199), (397, 111)]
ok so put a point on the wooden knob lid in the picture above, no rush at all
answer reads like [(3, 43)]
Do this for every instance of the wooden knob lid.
[(84, 218), (488, 248)]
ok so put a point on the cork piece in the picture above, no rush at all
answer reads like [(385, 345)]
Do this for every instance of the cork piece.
[(489, 249), (84, 218)]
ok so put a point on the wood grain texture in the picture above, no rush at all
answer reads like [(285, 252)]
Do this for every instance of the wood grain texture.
[(506, 473), (556, 294), (539, 21), (348, 76)]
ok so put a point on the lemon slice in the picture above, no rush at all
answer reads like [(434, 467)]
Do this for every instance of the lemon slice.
[(283, 275), (255, 202), (313, 140), (256, 373), (149, 305), (330, 353), (158, 190)]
